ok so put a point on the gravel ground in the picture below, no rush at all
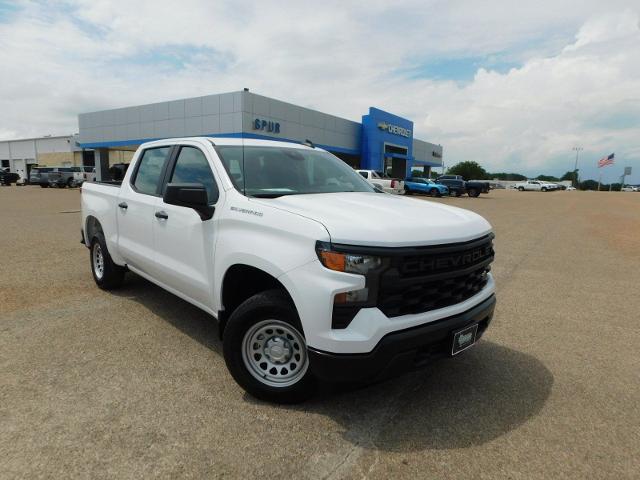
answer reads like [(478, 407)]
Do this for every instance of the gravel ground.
[(132, 384)]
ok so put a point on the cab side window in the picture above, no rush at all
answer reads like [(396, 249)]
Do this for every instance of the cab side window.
[(150, 169), (192, 167)]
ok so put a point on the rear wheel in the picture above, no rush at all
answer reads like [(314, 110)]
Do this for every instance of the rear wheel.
[(44, 185), (71, 183), (473, 192), (265, 350), (457, 193), (434, 192), (407, 191), (106, 274), (544, 189)]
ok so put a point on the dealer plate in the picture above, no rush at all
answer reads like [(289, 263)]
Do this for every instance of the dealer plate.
[(463, 339)]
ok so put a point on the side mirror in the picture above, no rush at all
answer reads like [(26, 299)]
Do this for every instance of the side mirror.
[(190, 195)]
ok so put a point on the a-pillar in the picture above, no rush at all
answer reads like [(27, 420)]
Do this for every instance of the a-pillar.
[(102, 164)]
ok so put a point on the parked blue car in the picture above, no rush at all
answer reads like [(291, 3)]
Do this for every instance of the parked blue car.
[(424, 185)]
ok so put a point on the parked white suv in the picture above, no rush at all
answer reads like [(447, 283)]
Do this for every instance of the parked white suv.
[(310, 272)]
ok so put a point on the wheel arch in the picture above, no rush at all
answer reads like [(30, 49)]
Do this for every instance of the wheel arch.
[(91, 226), (240, 282)]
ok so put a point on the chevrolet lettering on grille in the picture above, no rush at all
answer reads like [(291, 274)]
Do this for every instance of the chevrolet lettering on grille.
[(447, 262)]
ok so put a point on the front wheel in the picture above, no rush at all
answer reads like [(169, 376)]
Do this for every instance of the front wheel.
[(265, 350), (544, 189), (473, 192), (433, 192), (44, 185), (521, 189)]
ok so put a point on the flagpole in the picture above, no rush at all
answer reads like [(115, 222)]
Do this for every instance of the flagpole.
[(599, 180)]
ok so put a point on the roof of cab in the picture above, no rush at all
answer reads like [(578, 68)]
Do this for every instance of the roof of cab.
[(247, 142)]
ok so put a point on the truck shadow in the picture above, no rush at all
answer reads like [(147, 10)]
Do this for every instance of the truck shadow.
[(453, 403), (187, 318), (456, 403)]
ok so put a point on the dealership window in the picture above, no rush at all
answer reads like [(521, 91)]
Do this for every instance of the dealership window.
[(5, 163)]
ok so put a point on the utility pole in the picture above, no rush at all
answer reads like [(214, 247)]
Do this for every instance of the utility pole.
[(575, 168)]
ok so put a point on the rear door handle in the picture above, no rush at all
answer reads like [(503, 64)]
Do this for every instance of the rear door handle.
[(123, 205), (162, 215)]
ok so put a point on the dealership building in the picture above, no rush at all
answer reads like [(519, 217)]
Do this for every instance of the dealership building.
[(20, 155), (382, 141)]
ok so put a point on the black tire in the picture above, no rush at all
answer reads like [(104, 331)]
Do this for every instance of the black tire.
[(257, 311), (44, 185), (544, 189), (70, 183), (457, 193), (472, 192), (521, 189), (112, 275), (434, 192), (407, 191)]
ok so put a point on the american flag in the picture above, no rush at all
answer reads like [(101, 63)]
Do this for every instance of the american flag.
[(604, 161)]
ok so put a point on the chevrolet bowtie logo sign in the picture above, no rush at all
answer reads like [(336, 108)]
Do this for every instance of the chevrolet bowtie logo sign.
[(395, 129)]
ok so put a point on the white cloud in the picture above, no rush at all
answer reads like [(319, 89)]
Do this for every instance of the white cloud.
[(575, 80)]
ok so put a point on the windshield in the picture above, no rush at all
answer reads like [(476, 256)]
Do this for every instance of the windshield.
[(273, 171)]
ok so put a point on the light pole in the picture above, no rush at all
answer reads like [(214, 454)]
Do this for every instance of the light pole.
[(575, 168)]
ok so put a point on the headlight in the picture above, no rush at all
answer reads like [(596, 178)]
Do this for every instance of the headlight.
[(346, 262), (349, 263)]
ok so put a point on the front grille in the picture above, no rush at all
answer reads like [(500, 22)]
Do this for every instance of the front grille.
[(429, 278)]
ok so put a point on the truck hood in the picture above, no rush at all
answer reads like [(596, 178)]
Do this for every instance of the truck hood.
[(384, 220)]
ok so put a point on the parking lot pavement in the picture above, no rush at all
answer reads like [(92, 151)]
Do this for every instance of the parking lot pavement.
[(132, 384)]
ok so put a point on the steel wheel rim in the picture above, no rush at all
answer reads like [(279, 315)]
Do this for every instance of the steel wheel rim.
[(275, 353), (98, 261)]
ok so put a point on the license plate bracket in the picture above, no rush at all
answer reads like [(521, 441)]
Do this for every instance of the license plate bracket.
[(464, 338)]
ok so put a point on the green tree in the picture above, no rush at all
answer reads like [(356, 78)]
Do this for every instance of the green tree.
[(568, 176), (588, 185), (547, 178), (506, 176), (469, 171)]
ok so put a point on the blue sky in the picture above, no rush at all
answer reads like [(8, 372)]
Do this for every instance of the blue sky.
[(512, 86)]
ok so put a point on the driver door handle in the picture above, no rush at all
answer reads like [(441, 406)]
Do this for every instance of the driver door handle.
[(123, 205), (162, 214)]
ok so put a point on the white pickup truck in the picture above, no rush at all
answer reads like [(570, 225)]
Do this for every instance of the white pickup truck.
[(383, 181), (536, 186), (290, 250)]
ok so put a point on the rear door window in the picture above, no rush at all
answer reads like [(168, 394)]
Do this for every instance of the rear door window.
[(150, 169)]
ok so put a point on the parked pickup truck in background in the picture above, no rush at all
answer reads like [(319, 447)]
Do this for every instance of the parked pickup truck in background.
[(58, 176), (383, 181), (66, 177), (283, 245), (536, 186), (458, 187)]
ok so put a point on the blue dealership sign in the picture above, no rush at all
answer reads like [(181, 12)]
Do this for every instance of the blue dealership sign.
[(382, 130)]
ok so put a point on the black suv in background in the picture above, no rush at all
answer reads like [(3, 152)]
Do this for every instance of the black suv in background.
[(7, 178)]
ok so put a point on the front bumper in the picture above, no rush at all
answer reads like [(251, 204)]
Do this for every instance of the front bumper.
[(400, 351)]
